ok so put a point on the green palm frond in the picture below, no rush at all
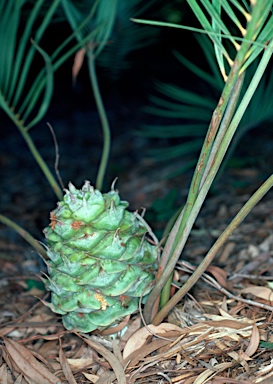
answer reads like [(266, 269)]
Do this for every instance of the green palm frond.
[(226, 117), (236, 30), (191, 112), (117, 36), (105, 20), (102, 23), (210, 16), (20, 95), (229, 36), (17, 58), (101, 20), (126, 37), (25, 88)]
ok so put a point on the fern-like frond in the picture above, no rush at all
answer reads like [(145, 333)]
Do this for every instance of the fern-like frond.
[(228, 41), (191, 111), (25, 88), (117, 36), (126, 37)]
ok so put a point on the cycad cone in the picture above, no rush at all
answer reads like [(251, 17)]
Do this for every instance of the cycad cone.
[(100, 261)]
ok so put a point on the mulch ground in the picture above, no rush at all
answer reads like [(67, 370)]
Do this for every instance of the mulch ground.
[(220, 333)]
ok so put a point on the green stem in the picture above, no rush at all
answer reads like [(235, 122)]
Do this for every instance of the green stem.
[(42, 164), (225, 123), (36, 154), (217, 116), (222, 148), (26, 235), (249, 205), (179, 234), (208, 166), (103, 118), (200, 184)]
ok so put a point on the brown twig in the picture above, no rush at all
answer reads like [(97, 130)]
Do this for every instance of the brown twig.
[(57, 155), (211, 281)]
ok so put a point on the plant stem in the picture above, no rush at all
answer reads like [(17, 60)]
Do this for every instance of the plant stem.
[(42, 164), (26, 235), (36, 154), (181, 230), (103, 118), (203, 176), (222, 147), (249, 205), (209, 162)]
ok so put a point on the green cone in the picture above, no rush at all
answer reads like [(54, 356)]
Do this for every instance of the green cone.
[(100, 261)]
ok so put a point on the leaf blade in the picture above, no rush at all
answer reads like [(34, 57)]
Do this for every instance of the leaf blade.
[(28, 364)]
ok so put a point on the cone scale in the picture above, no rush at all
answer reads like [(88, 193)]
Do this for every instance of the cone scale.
[(100, 262)]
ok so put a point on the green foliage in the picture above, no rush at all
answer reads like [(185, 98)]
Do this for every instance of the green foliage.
[(26, 85), (165, 207), (257, 35), (191, 110), (266, 344), (106, 21), (34, 284), (174, 11), (17, 58), (25, 93), (76, 230), (117, 36), (126, 37), (162, 210)]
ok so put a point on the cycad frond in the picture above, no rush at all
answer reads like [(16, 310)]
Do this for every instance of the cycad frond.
[(25, 87), (126, 37), (191, 111)]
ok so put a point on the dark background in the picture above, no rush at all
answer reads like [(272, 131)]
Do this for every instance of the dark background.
[(26, 196)]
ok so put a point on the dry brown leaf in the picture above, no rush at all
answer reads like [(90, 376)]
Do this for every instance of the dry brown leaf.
[(109, 356), (65, 366), (224, 380), (92, 378), (80, 363), (225, 314), (48, 348), (227, 324), (55, 336), (78, 61), (202, 378), (117, 351), (254, 341), (138, 339), (226, 251), (242, 320), (209, 372), (219, 274), (261, 292), (38, 322), (28, 364), (183, 377), (3, 374), (134, 326), (117, 328), (266, 381), (6, 330), (19, 380), (141, 353)]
